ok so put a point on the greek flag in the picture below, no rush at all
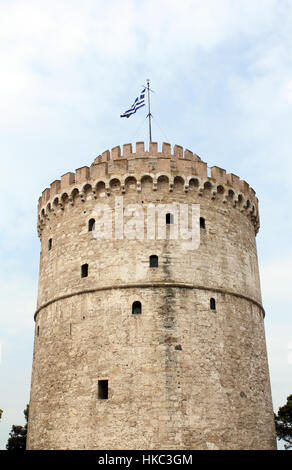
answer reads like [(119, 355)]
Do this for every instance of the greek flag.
[(138, 103)]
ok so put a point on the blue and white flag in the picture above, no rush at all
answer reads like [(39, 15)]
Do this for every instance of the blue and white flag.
[(138, 103)]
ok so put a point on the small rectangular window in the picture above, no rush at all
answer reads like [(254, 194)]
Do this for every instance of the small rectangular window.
[(136, 308), (169, 219), (103, 389), (84, 270), (212, 304), (153, 261)]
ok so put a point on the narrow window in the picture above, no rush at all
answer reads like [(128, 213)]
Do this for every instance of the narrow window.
[(212, 304), (169, 219), (202, 222), (103, 389), (84, 270), (38, 330), (91, 225), (153, 261), (50, 242), (136, 308)]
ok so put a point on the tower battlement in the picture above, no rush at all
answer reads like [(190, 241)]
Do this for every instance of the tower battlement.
[(117, 166)]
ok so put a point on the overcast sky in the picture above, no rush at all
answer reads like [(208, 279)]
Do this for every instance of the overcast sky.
[(222, 75)]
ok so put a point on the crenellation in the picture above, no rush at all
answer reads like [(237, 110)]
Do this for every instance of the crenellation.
[(45, 195), (127, 150), (244, 187), (181, 161), (55, 188), (153, 149), (67, 180), (253, 193), (82, 174), (178, 151), (166, 148), (234, 181), (116, 153), (219, 174), (140, 150), (201, 169), (188, 155), (105, 156), (97, 160)]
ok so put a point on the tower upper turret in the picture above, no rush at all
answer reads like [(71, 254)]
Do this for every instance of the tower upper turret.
[(122, 164)]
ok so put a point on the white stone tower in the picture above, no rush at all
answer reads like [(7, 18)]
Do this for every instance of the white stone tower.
[(134, 352)]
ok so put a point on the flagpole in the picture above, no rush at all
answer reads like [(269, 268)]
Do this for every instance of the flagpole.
[(149, 115)]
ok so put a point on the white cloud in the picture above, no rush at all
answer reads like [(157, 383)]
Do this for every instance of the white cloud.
[(46, 46)]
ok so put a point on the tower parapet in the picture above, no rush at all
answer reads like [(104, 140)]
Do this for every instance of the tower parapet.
[(121, 164)]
